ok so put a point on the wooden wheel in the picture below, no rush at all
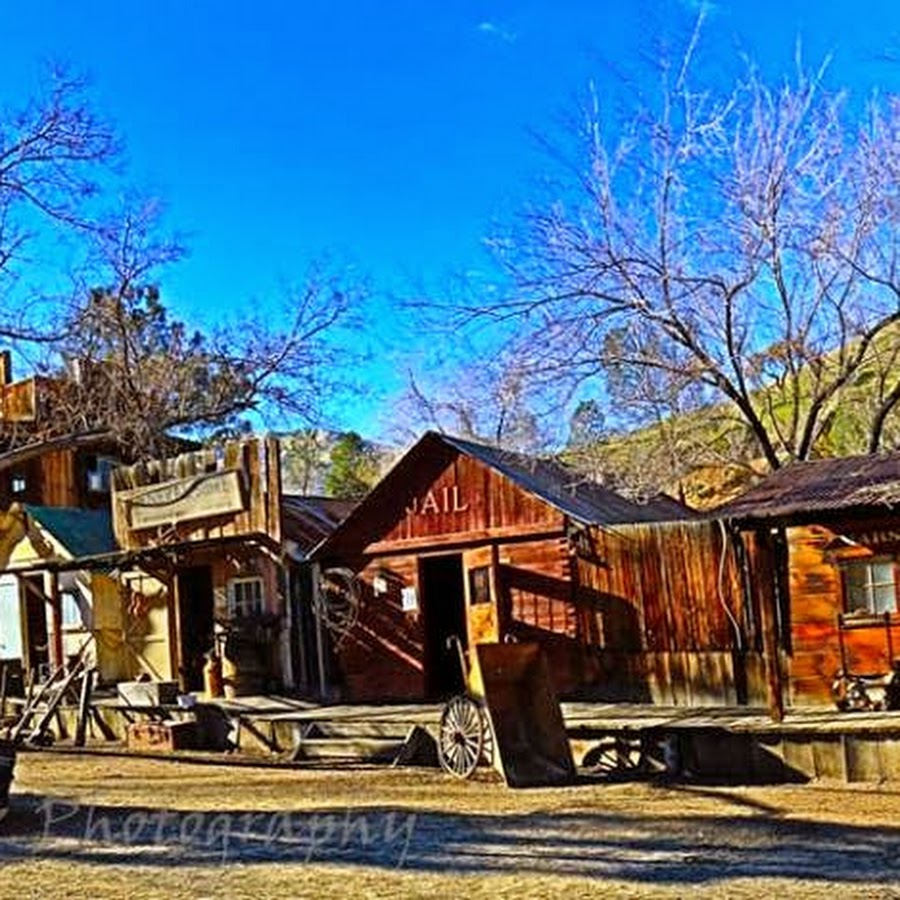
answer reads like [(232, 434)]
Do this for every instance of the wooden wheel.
[(464, 735)]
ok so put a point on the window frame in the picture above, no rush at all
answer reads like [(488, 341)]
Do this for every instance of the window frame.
[(241, 610), (871, 586), (100, 467), (480, 586)]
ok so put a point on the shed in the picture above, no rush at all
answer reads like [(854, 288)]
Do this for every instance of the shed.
[(826, 535)]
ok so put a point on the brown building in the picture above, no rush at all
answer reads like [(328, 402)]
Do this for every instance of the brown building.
[(38, 466), (629, 601), (827, 539)]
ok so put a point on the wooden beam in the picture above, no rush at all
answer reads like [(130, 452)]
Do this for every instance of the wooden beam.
[(84, 706), (496, 594), (175, 626), (507, 534), (56, 614), (320, 640), (771, 657)]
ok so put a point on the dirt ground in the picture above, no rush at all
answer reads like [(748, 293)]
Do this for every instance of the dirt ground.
[(102, 826)]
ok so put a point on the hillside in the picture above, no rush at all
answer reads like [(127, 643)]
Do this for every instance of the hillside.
[(708, 455)]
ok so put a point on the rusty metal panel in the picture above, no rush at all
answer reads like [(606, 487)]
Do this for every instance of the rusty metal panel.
[(529, 734)]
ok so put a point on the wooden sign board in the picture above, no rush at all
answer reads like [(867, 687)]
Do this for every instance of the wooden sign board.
[(199, 497)]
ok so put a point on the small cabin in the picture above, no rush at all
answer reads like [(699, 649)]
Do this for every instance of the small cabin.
[(826, 535), (461, 540)]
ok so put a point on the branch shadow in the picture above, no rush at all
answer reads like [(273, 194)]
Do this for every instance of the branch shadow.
[(668, 849)]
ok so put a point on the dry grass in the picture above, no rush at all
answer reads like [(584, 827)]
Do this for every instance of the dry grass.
[(447, 839)]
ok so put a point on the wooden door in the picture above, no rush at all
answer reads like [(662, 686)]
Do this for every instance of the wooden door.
[(481, 570)]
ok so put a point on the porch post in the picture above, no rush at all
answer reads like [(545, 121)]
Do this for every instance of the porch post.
[(175, 626), (771, 660), (56, 656), (320, 642)]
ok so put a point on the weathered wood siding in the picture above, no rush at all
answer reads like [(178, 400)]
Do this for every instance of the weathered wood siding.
[(55, 478), (655, 601), (816, 601), (18, 401), (450, 499), (256, 463), (382, 656)]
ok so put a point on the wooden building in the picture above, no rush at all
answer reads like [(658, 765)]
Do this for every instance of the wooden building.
[(195, 553), (825, 537), (66, 606), (629, 601), (207, 525), (54, 501)]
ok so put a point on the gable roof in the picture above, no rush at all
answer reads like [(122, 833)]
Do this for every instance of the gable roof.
[(572, 493), (569, 492), (820, 486), (81, 532)]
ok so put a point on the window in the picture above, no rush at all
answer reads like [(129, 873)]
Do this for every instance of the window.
[(18, 484), (870, 586), (99, 473), (245, 597), (479, 585), (71, 609)]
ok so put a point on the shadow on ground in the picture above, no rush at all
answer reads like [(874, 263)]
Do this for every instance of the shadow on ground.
[(663, 850)]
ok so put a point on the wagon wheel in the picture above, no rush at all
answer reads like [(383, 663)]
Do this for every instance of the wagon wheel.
[(616, 756), (464, 738)]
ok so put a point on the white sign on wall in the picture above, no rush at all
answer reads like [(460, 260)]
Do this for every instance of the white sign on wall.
[(409, 599)]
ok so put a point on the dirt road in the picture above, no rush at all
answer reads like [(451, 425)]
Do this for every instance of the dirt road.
[(112, 827)]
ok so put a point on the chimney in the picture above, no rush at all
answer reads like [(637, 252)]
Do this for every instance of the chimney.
[(5, 368)]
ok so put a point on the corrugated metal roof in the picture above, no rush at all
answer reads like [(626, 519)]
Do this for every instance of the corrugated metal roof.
[(83, 532), (822, 485), (570, 492)]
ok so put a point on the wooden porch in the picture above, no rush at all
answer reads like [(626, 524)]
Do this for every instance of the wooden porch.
[(730, 744)]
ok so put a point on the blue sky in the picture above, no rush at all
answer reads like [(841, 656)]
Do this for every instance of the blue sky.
[(389, 134)]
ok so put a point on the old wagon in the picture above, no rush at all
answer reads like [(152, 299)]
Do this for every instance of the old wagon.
[(508, 717)]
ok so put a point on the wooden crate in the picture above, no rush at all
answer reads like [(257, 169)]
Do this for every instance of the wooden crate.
[(165, 736)]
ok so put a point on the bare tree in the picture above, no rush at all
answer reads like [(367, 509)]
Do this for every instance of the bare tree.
[(54, 155), (488, 402), (128, 369), (737, 251)]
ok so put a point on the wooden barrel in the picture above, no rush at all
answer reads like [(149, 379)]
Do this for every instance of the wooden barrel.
[(7, 764)]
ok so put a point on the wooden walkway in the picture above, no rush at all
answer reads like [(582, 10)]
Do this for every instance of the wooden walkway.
[(735, 744)]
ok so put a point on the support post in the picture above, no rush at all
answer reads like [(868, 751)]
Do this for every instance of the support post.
[(175, 629), (320, 642), (769, 623), (57, 658), (84, 706)]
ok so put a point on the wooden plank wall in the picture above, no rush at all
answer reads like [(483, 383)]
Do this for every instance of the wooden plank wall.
[(658, 588), (655, 599), (816, 601), (18, 401), (52, 479), (256, 459), (382, 657), (639, 618)]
